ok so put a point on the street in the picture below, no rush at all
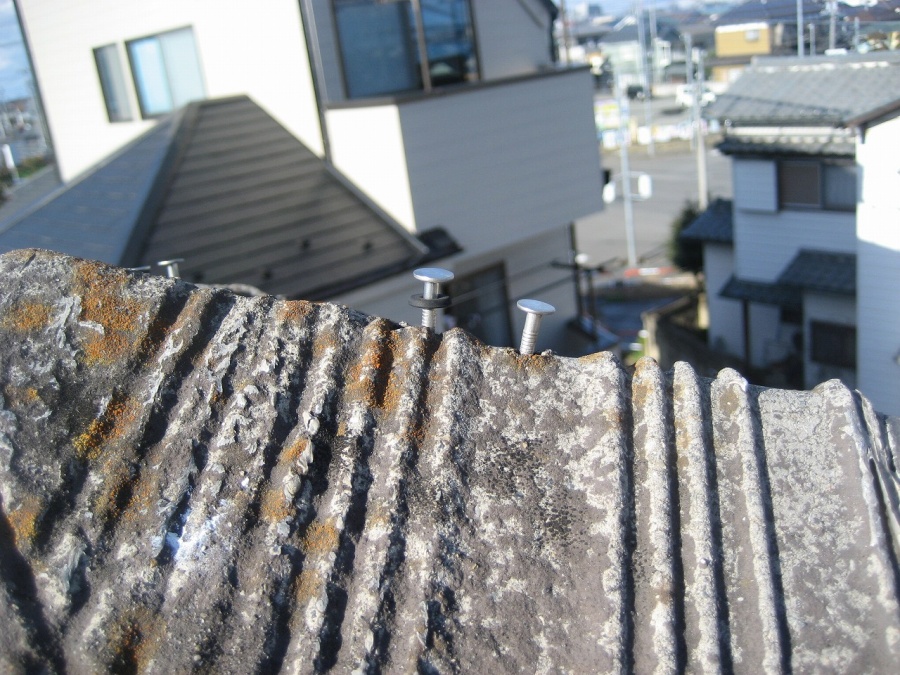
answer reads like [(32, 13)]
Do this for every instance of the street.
[(673, 170)]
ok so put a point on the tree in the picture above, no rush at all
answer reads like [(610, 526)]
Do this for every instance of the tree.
[(686, 254)]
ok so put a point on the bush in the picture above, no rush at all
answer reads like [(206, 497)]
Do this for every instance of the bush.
[(686, 254)]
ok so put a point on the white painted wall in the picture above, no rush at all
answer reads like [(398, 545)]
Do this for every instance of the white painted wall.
[(243, 49), (766, 243), (831, 309), (878, 267), (726, 332), (755, 184), (768, 336), (512, 40), (504, 163), (367, 145)]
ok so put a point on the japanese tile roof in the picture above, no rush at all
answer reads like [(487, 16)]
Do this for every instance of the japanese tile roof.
[(762, 292), (715, 224), (227, 188), (823, 271), (191, 480), (784, 145), (827, 91)]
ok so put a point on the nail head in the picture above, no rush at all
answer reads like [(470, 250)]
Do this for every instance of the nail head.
[(535, 307), (435, 275)]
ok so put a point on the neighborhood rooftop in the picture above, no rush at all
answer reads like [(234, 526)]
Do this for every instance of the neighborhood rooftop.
[(192, 480), (224, 186), (816, 91)]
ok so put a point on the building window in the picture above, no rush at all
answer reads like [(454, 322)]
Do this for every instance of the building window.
[(481, 306), (833, 344), (166, 71), (384, 44), (112, 83), (809, 184)]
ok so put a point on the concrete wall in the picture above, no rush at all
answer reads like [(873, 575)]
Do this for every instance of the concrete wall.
[(242, 50), (878, 267)]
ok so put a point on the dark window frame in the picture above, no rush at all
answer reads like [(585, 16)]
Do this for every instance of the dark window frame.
[(418, 40), (832, 344), (792, 198)]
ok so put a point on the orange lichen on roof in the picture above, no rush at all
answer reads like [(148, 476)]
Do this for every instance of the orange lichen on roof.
[(274, 506), (133, 640), (117, 483), (24, 519), (307, 585), (320, 537), (120, 415), (292, 311), (104, 301), (27, 317), (293, 452), (21, 395)]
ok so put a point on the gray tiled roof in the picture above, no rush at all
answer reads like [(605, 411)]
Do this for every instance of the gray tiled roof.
[(820, 91), (193, 481), (715, 224), (762, 292), (823, 271), (227, 188), (786, 145), (769, 11)]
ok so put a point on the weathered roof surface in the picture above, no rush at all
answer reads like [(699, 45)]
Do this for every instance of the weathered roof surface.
[(824, 271), (786, 145), (816, 91), (762, 292), (227, 188), (715, 224), (196, 481)]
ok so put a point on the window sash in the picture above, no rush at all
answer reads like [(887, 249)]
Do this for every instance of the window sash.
[(808, 184), (833, 344), (166, 71), (112, 83)]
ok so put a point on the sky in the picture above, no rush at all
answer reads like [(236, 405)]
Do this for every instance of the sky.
[(14, 71)]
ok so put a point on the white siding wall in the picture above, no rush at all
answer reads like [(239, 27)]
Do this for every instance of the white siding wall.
[(511, 40), (501, 164), (830, 309), (726, 327), (243, 49), (367, 146), (878, 268), (766, 243), (755, 185)]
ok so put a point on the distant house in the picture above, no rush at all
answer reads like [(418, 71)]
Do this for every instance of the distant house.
[(757, 28), (449, 118), (622, 47), (803, 269)]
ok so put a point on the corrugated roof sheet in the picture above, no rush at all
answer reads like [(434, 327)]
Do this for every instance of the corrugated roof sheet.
[(824, 271), (227, 188), (762, 292), (196, 481), (715, 224), (814, 91)]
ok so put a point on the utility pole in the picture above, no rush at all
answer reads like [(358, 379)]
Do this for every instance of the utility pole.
[(702, 184), (645, 81), (832, 24), (564, 18), (800, 28), (812, 39), (626, 173)]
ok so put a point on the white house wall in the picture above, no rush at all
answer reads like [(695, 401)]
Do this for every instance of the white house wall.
[(830, 309), (878, 268), (766, 243), (755, 185), (243, 49), (512, 39), (768, 337), (726, 332), (367, 146), (498, 164)]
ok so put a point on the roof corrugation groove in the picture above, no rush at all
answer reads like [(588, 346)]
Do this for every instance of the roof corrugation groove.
[(196, 481)]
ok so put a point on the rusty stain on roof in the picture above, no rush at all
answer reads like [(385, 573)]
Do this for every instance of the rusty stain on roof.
[(193, 481)]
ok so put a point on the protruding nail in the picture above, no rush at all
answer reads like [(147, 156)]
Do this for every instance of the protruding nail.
[(171, 267), (534, 312), (431, 301)]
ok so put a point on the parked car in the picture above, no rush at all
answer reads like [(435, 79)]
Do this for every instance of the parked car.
[(684, 95)]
